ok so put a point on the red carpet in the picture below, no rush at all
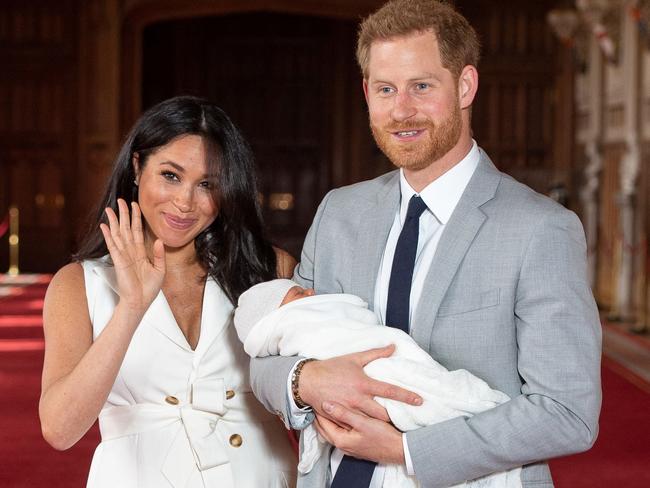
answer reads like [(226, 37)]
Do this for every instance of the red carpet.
[(620, 458), (26, 460), (621, 455)]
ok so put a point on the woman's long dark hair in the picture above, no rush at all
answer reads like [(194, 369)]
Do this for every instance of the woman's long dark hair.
[(233, 249)]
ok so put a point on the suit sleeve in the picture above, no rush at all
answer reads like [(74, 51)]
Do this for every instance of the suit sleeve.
[(269, 375), (559, 348)]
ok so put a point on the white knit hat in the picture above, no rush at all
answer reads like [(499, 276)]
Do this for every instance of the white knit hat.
[(257, 302)]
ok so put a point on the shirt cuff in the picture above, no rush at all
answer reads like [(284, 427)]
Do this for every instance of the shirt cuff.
[(299, 418), (407, 457)]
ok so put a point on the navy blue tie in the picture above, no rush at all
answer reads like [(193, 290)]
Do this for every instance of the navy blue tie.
[(401, 274), (353, 472)]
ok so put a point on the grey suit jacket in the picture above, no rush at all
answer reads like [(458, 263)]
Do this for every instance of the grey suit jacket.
[(506, 298)]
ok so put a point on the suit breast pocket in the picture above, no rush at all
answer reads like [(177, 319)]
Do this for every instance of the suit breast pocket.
[(469, 302)]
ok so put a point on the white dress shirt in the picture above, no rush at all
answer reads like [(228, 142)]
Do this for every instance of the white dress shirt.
[(441, 197)]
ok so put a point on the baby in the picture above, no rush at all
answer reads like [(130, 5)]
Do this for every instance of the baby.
[(281, 318)]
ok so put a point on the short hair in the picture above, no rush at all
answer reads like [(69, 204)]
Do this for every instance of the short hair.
[(457, 40)]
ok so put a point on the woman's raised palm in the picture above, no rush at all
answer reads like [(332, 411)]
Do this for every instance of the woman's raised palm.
[(139, 278)]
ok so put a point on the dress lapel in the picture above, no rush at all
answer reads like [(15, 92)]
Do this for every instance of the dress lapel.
[(160, 316), (104, 269), (374, 227), (215, 313), (458, 235)]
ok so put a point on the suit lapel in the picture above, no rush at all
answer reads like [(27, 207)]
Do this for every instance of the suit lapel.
[(374, 226), (458, 235)]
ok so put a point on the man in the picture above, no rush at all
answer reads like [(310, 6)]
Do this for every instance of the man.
[(492, 277)]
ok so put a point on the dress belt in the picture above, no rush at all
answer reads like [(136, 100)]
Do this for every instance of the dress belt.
[(199, 421)]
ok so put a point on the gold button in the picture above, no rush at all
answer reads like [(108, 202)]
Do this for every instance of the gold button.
[(230, 394), (172, 400), (236, 440)]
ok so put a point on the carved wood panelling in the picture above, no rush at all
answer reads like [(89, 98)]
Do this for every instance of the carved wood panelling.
[(587, 61), (645, 92), (616, 80), (32, 106), (615, 118), (640, 250), (609, 238), (40, 174), (98, 99), (32, 23), (37, 126), (514, 114), (643, 278)]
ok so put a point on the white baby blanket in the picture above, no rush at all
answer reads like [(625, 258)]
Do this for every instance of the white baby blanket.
[(326, 326)]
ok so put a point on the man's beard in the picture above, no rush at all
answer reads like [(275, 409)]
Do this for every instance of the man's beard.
[(438, 141)]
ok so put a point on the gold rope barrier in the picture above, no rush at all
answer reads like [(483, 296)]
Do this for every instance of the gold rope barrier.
[(14, 216)]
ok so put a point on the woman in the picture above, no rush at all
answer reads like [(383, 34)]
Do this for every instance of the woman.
[(138, 329)]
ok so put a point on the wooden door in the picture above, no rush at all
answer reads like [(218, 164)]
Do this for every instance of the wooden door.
[(516, 112), (275, 75)]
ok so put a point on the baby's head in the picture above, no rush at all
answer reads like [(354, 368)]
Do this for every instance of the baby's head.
[(262, 299), (296, 293)]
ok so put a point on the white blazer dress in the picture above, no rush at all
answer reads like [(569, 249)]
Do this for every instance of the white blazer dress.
[(178, 417)]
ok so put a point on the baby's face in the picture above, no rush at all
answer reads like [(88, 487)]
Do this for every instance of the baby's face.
[(296, 293)]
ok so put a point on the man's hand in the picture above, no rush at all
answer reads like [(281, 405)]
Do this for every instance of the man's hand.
[(367, 438), (343, 381)]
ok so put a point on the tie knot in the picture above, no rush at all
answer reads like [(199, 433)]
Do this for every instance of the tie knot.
[(416, 207)]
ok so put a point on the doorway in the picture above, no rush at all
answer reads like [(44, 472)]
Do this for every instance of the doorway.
[(285, 81)]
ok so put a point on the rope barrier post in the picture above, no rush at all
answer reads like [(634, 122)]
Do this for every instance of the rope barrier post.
[(14, 216)]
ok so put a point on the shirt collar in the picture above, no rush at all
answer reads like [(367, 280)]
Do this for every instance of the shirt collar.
[(443, 194)]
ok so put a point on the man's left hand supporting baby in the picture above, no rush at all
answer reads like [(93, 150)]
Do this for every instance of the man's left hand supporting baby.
[(354, 421)]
